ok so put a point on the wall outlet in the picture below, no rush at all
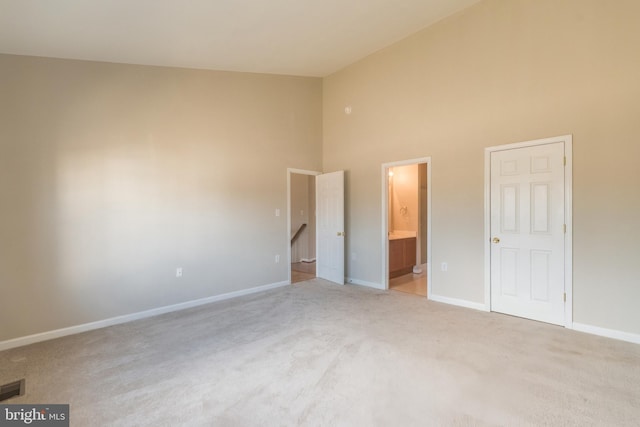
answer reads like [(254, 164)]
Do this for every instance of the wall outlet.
[(277, 212), (277, 259), (444, 266), (354, 256), (179, 272)]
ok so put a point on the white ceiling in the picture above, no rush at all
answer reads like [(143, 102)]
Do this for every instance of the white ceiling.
[(296, 37)]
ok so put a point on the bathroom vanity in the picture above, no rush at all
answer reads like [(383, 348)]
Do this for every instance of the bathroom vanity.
[(402, 255)]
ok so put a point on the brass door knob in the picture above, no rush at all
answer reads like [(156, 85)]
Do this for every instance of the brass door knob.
[(496, 240)]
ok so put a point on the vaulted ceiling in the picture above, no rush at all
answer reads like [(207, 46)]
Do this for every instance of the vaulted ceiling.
[(295, 37)]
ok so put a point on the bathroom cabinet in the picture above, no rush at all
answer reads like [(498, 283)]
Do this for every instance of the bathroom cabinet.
[(402, 256)]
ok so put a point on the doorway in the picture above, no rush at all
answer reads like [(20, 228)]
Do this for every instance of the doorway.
[(406, 226), (302, 225), (528, 229), (317, 214)]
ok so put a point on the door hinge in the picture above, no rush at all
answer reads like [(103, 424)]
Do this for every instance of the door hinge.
[(565, 297), (564, 160), (564, 228)]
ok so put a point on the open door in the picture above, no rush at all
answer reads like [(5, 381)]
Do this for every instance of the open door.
[(330, 226)]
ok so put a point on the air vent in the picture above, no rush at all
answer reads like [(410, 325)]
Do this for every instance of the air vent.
[(7, 391)]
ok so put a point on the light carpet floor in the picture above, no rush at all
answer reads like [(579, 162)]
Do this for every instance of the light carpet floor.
[(318, 354)]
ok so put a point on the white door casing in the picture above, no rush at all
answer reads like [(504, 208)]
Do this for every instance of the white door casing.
[(330, 226), (528, 231)]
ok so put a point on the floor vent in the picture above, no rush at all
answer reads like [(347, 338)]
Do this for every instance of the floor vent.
[(7, 391)]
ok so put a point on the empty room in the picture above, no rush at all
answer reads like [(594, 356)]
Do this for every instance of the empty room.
[(158, 161)]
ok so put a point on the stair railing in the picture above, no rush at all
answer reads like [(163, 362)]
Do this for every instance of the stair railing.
[(295, 236)]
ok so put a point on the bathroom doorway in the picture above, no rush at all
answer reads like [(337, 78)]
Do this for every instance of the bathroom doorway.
[(406, 226)]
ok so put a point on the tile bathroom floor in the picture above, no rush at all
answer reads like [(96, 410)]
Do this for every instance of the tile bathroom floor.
[(411, 283)]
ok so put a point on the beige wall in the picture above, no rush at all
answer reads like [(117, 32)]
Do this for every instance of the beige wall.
[(500, 72), (111, 176)]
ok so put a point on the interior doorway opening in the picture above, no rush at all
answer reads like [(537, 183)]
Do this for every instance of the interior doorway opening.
[(302, 225), (406, 226)]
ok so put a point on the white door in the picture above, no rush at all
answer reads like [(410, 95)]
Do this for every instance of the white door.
[(330, 226), (527, 232)]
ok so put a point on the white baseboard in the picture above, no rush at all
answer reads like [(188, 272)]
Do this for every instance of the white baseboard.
[(458, 302), (57, 333), (44, 336), (353, 281), (609, 333), (307, 260)]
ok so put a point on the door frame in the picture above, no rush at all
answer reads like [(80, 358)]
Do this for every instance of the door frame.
[(299, 172), (568, 218), (385, 218)]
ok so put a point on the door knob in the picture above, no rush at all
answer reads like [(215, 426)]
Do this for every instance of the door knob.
[(495, 240)]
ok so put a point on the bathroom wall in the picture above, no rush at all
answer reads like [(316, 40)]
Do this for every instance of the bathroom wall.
[(422, 209), (403, 187)]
